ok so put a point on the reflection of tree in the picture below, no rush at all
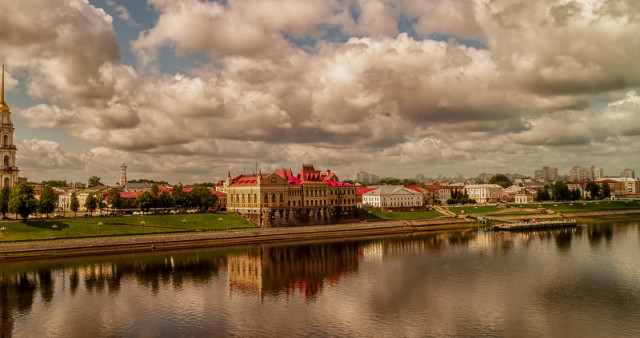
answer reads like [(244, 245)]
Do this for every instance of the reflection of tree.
[(597, 232), (16, 294), (46, 285), (563, 240), (74, 280)]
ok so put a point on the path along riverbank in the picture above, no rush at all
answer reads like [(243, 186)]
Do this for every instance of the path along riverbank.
[(109, 245)]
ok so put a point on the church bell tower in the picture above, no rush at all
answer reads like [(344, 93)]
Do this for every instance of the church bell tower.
[(8, 169)]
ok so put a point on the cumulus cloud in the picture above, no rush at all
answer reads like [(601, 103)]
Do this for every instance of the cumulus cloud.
[(269, 86)]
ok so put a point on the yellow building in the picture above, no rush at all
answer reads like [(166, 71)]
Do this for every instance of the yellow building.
[(9, 171), (311, 197)]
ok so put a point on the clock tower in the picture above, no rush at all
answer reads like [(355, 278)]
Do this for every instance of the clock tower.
[(8, 169)]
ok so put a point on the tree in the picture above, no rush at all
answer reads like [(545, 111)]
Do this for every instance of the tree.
[(542, 194), (165, 200), (21, 201), (91, 203), (389, 181), (200, 197), (144, 201), (155, 195), (55, 183), (94, 181), (478, 180), (605, 191), (144, 180), (575, 194), (114, 199), (560, 191), (75, 204), (99, 196), (4, 200), (47, 201), (178, 196), (593, 189), (501, 180)]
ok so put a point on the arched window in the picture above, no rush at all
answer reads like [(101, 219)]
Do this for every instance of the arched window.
[(266, 198), (6, 140), (6, 161), (273, 198), (255, 198), (242, 198), (288, 203), (281, 198)]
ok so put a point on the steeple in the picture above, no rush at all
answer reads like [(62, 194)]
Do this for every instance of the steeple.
[(3, 106)]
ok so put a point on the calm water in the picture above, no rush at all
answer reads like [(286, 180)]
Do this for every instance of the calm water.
[(582, 282)]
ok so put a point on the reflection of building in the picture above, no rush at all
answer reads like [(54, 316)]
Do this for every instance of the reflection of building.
[(271, 270), (9, 172)]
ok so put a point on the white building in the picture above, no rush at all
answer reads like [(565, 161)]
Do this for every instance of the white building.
[(393, 196), (484, 193)]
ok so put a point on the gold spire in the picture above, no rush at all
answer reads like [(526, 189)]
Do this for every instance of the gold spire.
[(3, 106), (2, 98)]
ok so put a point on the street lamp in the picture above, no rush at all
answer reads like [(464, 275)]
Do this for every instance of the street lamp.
[(100, 225), (3, 229), (53, 229), (143, 223)]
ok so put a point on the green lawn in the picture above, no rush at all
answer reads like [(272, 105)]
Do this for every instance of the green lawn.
[(581, 206), (127, 225), (375, 214), (474, 209)]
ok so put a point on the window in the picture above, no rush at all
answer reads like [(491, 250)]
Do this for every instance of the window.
[(281, 198), (6, 140), (6, 161), (273, 198)]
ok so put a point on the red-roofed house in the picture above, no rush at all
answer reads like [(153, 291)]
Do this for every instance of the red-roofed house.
[(280, 198)]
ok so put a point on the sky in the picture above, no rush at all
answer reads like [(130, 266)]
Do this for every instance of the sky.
[(187, 90)]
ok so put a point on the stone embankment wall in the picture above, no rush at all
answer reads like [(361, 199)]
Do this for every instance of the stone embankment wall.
[(285, 217)]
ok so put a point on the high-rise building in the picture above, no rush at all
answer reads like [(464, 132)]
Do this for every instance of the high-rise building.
[(9, 171), (628, 173), (583, 173), (368, 178), (546, 174)]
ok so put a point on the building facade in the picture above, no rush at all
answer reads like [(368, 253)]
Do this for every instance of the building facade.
[(9, 171), (484, 193), (393, 196), (282, 199)]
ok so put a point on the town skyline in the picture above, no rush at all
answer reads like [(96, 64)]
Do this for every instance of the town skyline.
[(396, 89)]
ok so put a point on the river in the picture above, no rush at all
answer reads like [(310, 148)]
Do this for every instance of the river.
[(577, 282)]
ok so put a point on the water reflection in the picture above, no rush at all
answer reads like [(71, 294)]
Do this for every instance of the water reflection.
[(275, 270), (286, 273)]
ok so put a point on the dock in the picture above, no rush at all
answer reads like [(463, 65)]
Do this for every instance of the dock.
[(534, 225)]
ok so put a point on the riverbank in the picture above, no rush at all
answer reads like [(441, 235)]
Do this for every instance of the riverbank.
[(110, 245)]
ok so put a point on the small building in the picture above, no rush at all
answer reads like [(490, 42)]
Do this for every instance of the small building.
[(393, 196), (484, 193)]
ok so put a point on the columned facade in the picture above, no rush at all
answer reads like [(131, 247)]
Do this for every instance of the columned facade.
[(8, 169)]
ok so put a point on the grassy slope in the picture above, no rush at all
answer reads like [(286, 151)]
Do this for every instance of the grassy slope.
[(131, 225), (374, 214)]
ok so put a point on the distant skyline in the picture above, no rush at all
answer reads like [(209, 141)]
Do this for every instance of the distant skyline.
[(186, 90)]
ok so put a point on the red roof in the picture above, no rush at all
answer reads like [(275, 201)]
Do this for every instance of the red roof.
[(308, 173), (218, 193), (607, 181), (414, 188), (338, 184), (126, 194), (360, 191)]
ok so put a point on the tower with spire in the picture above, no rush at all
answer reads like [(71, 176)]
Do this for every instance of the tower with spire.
[(8, 170)]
